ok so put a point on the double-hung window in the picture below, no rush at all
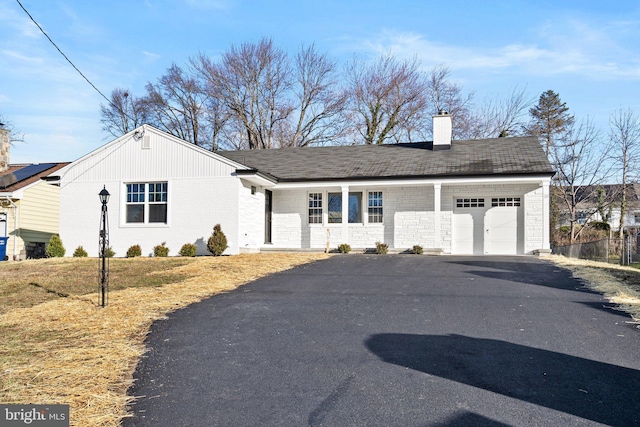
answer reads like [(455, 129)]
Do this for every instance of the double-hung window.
[(315, 208), (375, 207), (147, 203)]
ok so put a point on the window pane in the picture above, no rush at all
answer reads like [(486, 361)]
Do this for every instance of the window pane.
[(135, 213), (375, 207), (158, 213), (355, 208), (335, 208), (315, 208)]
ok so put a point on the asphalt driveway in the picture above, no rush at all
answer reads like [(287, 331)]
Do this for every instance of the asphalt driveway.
[(398, 340)]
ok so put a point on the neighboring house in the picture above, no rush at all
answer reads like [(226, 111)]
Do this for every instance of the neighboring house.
[(29, 206), (462, 197), (603, 205)]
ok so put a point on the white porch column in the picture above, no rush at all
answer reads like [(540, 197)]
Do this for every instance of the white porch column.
[(545, 215), (345, 213), (437, 239)]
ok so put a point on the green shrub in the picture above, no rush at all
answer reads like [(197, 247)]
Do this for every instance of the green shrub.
[(188, 249), (54, 247), (161, 250), (134, 251), (382, 248), (80, 252), (416, 249), (344, 248), (217, 243)]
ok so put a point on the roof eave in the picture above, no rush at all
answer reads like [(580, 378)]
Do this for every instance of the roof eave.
[(548, 174), (256, 177)]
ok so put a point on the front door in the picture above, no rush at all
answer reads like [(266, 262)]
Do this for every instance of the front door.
[(268, 213)]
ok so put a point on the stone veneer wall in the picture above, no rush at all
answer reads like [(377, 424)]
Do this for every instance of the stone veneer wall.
[(5, 146)]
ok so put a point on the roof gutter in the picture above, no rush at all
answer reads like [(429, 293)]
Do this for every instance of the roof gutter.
[(411, 181), (256, 177)]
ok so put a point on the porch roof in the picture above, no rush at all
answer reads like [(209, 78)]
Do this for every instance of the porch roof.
[(495, 156)]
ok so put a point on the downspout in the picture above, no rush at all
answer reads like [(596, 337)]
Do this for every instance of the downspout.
[(16, 231)]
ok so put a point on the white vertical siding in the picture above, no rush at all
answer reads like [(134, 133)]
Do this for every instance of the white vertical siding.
[(202, 191)]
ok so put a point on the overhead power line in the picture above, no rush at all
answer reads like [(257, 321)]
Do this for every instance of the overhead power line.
[(69, 61)]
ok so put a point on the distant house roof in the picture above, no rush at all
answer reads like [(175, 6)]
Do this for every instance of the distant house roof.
[(496, 156), (19, 176), (588, 196)]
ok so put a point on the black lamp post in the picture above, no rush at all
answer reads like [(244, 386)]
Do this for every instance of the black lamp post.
[(104, 244)]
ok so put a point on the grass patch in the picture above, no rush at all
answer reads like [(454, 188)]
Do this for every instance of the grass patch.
[(32, 282), (619, 284), (66, 349)]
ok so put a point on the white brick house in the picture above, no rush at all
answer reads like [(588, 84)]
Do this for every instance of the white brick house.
[(460, 197)]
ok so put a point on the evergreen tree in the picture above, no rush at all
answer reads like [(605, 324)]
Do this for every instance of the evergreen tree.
[(550, 118)]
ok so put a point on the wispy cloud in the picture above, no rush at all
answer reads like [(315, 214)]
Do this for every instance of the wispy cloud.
[(576, 49), (150, 56)]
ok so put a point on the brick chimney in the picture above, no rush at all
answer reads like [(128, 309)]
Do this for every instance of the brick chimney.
[(5, 145), (442, 131)]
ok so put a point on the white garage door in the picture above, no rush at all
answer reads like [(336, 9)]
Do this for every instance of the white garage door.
[(488, 226)]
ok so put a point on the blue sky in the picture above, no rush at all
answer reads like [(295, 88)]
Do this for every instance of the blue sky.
[(587, 51)]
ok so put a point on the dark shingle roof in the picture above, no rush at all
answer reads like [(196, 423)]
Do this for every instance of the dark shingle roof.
[(503, 156), (19, 176)]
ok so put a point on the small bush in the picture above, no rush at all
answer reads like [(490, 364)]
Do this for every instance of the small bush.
[(416, 249), (382, 248), (599, 225), (344, 248), (161, 250), (54, 247), (109, 253), (134, 251), (80, 252), (188, 249), (217, 243)]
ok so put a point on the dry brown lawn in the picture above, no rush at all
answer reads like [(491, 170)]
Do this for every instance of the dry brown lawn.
[(59, 346), (619, 284)]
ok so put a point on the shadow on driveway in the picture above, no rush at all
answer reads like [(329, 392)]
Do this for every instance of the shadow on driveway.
[(589, 389)]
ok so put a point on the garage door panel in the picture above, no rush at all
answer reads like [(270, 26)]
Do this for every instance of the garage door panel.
[(503, 228), (469, 232), (493, 229)]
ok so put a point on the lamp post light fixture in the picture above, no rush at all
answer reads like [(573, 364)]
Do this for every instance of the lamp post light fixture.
[(103, 245)]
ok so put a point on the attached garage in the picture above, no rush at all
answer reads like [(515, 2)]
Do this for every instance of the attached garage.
[(488, 225)]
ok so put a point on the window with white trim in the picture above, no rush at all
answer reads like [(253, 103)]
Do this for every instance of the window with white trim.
[(505, 201), (334, 208), (315, 208), (375, 207), (470, 203), (146, 203)]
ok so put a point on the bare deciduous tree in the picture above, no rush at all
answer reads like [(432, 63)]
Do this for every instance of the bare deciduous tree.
[(319, 101), (578, 157), (624, 134), (124, 113), (386, 96), (178, 104), (498, 117), (14, 135), (251, 81), (448, 96)]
